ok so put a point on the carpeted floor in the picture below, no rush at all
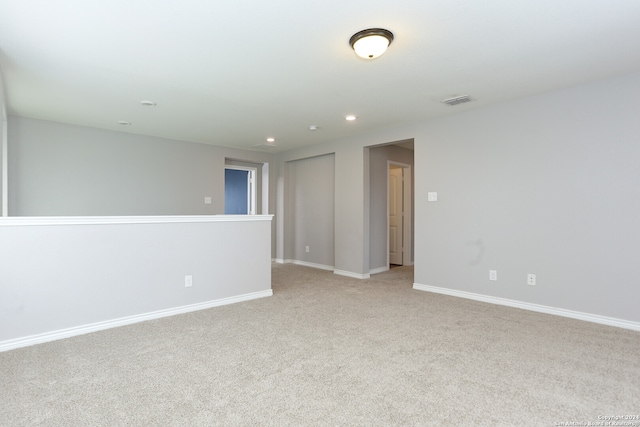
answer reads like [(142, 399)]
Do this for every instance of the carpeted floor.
[(326, 350)]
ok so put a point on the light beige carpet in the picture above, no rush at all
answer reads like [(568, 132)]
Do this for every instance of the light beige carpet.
[(326, 350)]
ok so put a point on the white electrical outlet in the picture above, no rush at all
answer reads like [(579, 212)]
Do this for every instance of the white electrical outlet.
[(531, 279), (493, 275), (188, 281), (306, 249)]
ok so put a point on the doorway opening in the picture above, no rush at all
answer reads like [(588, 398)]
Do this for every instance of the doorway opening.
[(398, 214), (239, 190)]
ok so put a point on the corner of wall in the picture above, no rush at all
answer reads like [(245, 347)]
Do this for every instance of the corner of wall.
[(4, 200)]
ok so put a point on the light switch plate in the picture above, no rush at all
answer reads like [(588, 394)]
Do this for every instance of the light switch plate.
[(432, 196), (207, 200)]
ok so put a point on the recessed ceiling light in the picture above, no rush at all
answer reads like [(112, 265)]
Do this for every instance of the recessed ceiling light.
[(148, 103), (271, 140), (124, 123), (350, 117), (313, 127)]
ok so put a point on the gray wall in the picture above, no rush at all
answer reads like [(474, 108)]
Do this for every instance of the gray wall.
[(378, 228), (349, 203), (4, 211), (3, 149), (546, 185), (351, 196), (60, 169), (65, 170), (76, 275), (310, 220)]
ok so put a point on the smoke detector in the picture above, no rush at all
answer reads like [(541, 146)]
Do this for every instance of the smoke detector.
[(456, 100)]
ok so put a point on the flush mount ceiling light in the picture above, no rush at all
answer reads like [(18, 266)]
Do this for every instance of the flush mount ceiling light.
[(350, 118), (371, 43), (271, 140), (148, 103), (124, 123)]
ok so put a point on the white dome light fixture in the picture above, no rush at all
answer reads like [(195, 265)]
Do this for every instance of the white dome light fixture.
[(371, 43)]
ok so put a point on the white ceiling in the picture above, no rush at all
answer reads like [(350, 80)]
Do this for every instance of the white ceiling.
[(233, 73)]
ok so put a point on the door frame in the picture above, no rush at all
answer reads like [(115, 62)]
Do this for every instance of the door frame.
[(407, 228)]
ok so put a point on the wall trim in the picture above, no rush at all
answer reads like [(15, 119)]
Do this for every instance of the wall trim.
[(379, 270), (323, 267), (351, 274), (123, 321), (4, 161), (4, 154), (594, 318), (100, 220), (309, 264)]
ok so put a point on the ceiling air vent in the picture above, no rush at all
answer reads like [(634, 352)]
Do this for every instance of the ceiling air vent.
[(456, 100)]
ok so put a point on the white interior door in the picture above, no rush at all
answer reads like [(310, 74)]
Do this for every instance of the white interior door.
[(396, 222)]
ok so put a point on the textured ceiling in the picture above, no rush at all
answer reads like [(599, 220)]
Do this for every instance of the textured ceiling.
[(235, 73)]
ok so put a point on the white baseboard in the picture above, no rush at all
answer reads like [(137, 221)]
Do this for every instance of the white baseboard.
[(279, 261), (379, 270), (309, 264), (324, 267), (351, 274), (99, 326), (594, 318)]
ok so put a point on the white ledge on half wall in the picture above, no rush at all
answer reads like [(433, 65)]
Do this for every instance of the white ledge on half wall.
[(143, 219)]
